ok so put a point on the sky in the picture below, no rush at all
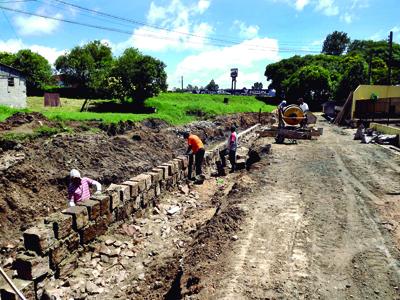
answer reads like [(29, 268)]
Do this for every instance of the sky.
[(198, 40)]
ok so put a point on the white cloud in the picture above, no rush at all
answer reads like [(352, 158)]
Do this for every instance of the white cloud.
[(395, 29), (33, 25), (347, 17), (203, 5), (245, 31), (250, 56), (182, 32), (14, 45), (327, 7), (300, 4)]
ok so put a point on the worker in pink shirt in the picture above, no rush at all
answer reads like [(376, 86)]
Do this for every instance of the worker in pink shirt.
[(230, 150), (79, 187)]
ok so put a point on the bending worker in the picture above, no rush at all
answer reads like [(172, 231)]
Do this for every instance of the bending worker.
[(231, 149), (196, 149), (79, 188)]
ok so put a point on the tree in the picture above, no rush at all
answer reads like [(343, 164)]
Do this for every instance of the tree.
[(258, 86), (86, 66), (212, 86), (335, 43), (35, 67), (356, 73), (139, 76), (7, 58), (311, 83)]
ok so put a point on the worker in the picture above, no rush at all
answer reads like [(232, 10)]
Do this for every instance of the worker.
[(195, 151), (303, 105), (282, 105), (230, 150), (305, 109), (79, 187)]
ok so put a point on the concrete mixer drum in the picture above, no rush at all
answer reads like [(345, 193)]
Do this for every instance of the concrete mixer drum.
[(293, 115)]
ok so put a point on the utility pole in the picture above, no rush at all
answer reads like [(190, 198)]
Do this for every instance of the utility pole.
[(390, 58), (369, 67)]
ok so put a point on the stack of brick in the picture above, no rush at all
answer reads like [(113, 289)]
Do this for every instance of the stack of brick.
[(51, 248)]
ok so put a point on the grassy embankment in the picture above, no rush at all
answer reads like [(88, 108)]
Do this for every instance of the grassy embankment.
[(171, 107)]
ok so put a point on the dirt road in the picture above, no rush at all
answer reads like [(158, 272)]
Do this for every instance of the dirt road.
[(322, 223)]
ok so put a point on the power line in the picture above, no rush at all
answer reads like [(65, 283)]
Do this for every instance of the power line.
[(9, 23), (136, 22), (253, 47)]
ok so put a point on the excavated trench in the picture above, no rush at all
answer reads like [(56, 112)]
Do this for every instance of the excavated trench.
[(143, 253)]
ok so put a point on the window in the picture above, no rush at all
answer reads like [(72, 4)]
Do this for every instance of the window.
[(10, 81)]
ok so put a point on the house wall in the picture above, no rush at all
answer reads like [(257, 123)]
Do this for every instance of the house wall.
[(363, 93), (14, 96)]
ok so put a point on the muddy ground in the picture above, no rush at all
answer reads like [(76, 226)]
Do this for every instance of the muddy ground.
[(314, 220), (34, 173)]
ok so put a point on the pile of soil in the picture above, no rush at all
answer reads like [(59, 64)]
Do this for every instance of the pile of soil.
[(35, 177), (20, 118)]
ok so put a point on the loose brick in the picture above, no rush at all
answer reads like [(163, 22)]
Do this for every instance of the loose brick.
[(39, 238), (93, 208), (146, 178), (31, 267), (61, 223), (80, 216), (134, 188), (105, 203)]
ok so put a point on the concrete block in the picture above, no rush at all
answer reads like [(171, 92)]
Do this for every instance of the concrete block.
[(134, 188), (173, 165), (144, 181), (105, 203), (39, 238), (80, 216), (115, 199), (138, 202), (26, 287), (179, 164), (93, 208), (61, 223), (67, 266), (62, 249), (156, 177), (31, 267), (120, 214), (93, 230), (124, 191), (157, 189), (168, 170), (185, 161)]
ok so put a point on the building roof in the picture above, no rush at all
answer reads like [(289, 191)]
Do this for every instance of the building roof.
[(11, 70)]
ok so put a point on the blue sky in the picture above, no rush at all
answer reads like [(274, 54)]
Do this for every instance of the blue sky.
[(198, 39)]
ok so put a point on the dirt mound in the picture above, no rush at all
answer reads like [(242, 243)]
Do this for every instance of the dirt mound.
[(21, 118)]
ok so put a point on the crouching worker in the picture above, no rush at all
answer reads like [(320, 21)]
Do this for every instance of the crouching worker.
[(196, 149), (79, 187)]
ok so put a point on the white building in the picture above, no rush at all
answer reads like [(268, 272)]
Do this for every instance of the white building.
[(12, 87)]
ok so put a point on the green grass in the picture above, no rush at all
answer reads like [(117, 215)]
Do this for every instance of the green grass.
[(171, 107), (43, 131)]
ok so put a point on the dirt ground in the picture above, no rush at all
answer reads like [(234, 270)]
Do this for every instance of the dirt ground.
[(321, 223), (315, 220), (34, 173)]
